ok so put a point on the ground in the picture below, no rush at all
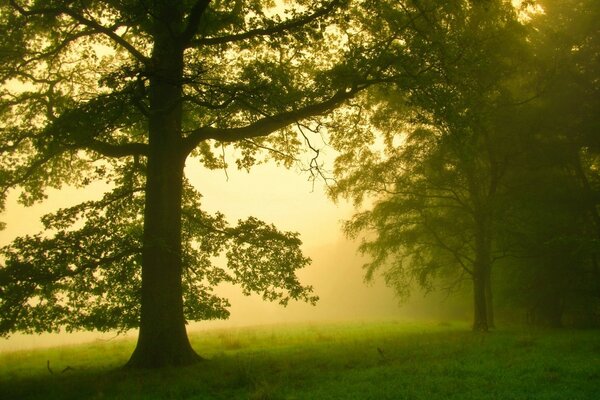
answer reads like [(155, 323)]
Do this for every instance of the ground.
[(385, 360)]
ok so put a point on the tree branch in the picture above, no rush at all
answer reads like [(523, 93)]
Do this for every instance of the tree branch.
[(277, 29), (266, 125), (90, 23), (314, 168), (26, 272), (28, 172), (110, 33), (270, 149), (59, 47), (193, 21), (440, 243), (116, 150)]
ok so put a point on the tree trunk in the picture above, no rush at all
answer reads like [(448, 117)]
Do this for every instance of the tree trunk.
[(162, 338), (481, 268), (480, 321), (489, 299)]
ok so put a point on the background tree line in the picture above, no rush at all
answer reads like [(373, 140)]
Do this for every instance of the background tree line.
[(483, 165)]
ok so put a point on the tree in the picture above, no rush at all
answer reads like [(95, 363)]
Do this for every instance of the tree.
[(126, 92), (435, 178), (569, 48), (547, 235), (553, 230)]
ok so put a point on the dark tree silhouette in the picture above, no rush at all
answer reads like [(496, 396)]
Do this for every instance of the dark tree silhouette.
[(434, 174), (126, 92)]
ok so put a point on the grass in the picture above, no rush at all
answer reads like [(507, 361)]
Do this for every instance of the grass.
[(330, 361)]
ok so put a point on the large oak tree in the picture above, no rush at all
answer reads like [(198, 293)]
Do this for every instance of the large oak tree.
[(127, 92)]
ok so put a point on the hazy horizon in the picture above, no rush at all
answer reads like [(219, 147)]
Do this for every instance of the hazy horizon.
[(277, 195)]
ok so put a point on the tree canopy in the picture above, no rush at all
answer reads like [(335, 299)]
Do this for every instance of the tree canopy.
[(127, 92), (434, 178), (445, 163)]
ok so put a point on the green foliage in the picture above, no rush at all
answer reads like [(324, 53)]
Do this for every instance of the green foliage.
[(433, 176), (482, 147), (552, 228), (60, 280), (82, 272), (329, 361), (68, 88), (106, 91)]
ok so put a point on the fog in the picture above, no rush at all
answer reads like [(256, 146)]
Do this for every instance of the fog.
[(283, 197), (335, 274), (286, 198)]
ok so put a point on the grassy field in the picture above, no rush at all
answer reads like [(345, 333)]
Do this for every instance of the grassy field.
[(330, 361)]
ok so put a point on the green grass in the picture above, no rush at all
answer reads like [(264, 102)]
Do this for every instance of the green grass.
[(329, 361)]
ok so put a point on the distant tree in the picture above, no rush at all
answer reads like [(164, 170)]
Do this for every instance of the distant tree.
[(435, 178), (553, 232), (568, 43), (546, 235), (127, 92)]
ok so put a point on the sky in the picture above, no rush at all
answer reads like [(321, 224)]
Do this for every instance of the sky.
[(284, 197)]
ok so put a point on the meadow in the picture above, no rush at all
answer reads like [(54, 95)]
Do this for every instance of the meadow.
[(384, 360)]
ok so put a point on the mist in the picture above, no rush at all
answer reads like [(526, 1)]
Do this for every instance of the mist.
[(283, 197)]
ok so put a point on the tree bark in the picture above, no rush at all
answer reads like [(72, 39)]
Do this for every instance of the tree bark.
[(162, 337)]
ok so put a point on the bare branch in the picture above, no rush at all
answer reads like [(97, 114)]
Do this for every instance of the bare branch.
[(314, 168), (224, 161)]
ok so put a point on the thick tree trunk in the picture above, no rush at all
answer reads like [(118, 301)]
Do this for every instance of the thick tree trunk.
[(162, 338)]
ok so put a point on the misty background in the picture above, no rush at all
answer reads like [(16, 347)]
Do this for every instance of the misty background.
[(288, 199)]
